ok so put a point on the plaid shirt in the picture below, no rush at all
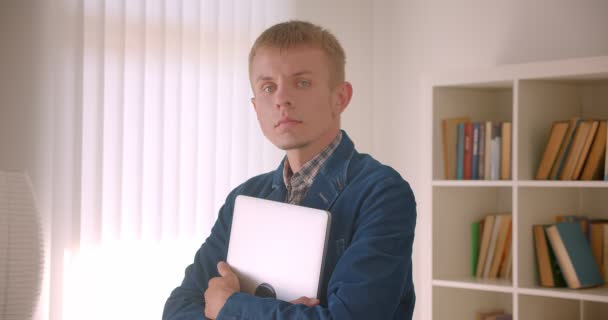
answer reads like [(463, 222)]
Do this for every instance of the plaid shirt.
[(298, 184)]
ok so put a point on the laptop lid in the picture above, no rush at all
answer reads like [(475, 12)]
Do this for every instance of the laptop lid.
[(277, 249)]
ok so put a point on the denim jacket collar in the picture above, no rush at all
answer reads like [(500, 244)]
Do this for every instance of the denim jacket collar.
[(329, 182)]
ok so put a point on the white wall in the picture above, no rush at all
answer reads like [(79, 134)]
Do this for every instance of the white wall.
[(412, 38), (351, 22)]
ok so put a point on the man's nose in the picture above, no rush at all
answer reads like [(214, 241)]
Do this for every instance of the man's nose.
[(283, 97)]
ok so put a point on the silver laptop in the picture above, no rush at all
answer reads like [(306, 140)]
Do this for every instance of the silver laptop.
[(278, 249)]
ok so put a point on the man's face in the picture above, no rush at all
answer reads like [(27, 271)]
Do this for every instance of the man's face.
[(293, 98)]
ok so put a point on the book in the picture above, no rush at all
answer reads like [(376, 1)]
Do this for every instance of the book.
[(501, 242), (582, 158), (468, 150), (583, 221), (450, 141), (505, 265), (574, 152), (486, 234), (574, 255), (563, 149), (488, 151), (482, 151), (460, 152), (492, 245), (596, 241), (605, 254), (505, 152), (495, 158), (475, 236), (505, 272), (485, 315), (606, 162), (549, 273), (475, 160), (556, 136), (594, 163)]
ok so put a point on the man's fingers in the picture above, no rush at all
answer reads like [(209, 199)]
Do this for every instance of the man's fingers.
[(309, 302), (224, 269), (226, 272)]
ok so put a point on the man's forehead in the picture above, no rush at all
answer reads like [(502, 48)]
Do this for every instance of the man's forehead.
[(292, 61)]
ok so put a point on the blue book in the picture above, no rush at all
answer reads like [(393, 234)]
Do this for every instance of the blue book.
[(475, 162), (574, 255), (460, 153)]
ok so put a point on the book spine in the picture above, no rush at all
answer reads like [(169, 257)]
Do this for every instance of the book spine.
[(560, 161), (468, 150), (606, 157), (488, 151), (475, 234), (460, 152), (475, 161), (482, 151)]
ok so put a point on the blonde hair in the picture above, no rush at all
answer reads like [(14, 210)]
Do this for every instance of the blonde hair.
[(293, 33)]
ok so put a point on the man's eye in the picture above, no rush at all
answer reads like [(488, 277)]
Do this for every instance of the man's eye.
[(303, 83), (268, 89)]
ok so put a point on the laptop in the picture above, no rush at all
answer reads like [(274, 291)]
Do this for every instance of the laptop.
[(277, 249)]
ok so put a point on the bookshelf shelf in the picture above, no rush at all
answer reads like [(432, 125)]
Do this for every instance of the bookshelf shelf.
[(563, 184), (591, 294), (476, 284), (532, 97), (473, 183)]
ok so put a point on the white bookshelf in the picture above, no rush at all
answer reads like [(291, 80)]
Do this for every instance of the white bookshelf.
[(532, 97)]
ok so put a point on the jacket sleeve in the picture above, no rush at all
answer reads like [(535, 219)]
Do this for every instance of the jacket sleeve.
[(370, 277), (186, 302)]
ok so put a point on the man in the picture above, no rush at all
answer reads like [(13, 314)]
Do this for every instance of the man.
[(296, 71)]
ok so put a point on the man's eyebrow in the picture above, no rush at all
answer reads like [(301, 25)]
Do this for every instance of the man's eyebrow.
[(263, 78), (297, 74), (300, 73)]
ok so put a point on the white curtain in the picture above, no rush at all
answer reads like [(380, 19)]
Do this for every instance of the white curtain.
[(154, 98)]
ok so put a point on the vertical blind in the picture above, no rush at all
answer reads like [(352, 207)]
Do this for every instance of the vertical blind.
[(167, 130)]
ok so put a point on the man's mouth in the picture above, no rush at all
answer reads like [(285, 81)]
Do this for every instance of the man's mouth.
[(286, 121)]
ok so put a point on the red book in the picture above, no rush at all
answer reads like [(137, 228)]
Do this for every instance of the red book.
[(468, 151)]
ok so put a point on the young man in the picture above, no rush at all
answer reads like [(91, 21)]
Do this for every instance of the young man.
[(296, 71)]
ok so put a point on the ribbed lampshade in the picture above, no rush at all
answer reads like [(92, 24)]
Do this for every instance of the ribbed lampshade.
[(20, 248)]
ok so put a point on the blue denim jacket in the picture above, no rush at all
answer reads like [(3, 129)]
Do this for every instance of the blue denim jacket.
[(368, 265)]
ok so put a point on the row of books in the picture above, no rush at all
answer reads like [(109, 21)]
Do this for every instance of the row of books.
[(497, 314), (572, 252), (491, 247), (576, 150), (476, 150)]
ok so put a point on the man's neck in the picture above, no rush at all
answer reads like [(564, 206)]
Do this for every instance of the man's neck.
[(298, 157)]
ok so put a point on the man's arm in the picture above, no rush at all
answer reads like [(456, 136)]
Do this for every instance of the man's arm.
[(370, 277), (186, 301)]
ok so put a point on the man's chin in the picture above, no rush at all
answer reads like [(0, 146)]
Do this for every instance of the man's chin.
[(287, 145)]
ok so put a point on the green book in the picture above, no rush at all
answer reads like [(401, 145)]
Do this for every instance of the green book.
[(475, 234)]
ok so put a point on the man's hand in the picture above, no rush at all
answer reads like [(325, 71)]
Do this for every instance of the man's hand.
[(220, 289), (309, 302)]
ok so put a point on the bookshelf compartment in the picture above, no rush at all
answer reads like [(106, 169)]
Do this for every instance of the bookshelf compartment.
[(594, 310), (455, 208), (545, 101), (491, 102), (537, 307), (541, 206), (454, 303)]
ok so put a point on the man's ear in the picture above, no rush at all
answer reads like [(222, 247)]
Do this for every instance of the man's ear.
[(344, 93), (253, 103)]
